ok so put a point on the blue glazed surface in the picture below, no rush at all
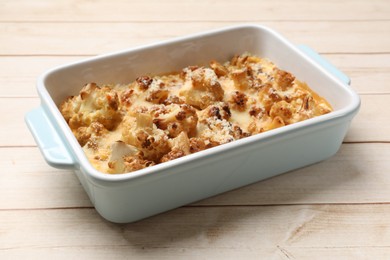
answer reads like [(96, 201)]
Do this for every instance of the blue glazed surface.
[(124, 198), (325, 64), (48, 140)]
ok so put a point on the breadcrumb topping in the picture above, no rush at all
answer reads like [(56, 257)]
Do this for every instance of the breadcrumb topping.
[(155, 119)]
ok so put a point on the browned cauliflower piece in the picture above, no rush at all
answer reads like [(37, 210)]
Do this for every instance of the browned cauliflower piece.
[(127, 97), (201, 88), (241, 79), (173, 99), (256, 111), (219, 110), (144, 82), (239, 60), (157, 92), (284, 80), (90, 134), (216, 131), (307, 107), (120, 150), (175, 119), (126, 158), (139, 131), (284, 110), (238, 100), (268, 96), (129, 164), (93, 104), (180, 146), (136, 162), (197, 144), (218, 68)]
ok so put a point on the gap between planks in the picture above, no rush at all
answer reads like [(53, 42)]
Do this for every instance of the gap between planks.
[(194, 21), (217, 206), (48, 38)]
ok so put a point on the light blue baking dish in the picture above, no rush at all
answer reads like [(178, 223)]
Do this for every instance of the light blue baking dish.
[(132, 196)]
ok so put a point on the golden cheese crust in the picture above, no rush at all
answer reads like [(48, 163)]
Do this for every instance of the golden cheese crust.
[(155, 119)]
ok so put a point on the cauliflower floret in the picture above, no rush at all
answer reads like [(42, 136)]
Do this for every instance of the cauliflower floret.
[(201, 88), (268, 96), (256, 111), (241, 79), (173, 99), (143, 82), (238, 100), (239, 60), (175, 119), (284, 80), (218, 68), (136, 162), (90, 134), (197, 144), (129, 163), (94, 104), (284, 110), (219, 131), (180, 146), (127, 97), (157, 92), (126, 158), (139, 131), (219, 110)]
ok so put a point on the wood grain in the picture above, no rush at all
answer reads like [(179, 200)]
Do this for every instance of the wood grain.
[(282, 232), (336, 209), (339, 180), (190, 11), (14, 132), (96, 38), (370, 124)]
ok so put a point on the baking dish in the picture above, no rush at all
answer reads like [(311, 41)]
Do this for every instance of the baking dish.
[(132, 196)]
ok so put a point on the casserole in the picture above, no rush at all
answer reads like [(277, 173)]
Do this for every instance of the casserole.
[(132, 196)]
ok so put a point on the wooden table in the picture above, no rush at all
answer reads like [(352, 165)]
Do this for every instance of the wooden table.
[(339, 208)]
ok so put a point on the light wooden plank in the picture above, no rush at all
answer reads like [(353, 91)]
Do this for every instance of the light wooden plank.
[(13, 130), (358, 173), (201, 10), (193, 233), (27, 181), (94, 38), (224, 253), (18, 74), (369, 73), (371, 123), (368, 125), (267, 220)]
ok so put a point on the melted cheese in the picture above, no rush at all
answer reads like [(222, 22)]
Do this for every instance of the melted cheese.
[(160, 118)]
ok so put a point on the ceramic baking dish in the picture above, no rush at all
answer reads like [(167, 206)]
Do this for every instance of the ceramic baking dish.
[(132, 196)]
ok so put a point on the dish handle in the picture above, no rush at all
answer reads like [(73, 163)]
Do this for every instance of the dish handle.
[(49, 142), (325, 64)]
